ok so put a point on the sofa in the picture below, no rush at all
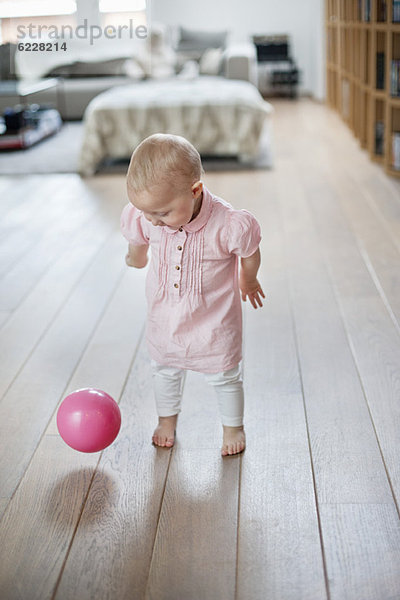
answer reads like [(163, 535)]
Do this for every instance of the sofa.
[(84, 72)]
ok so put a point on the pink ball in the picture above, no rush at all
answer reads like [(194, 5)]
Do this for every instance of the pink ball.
[(88, 420)]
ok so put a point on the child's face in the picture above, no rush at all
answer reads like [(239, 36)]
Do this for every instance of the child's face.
[(163, 206)]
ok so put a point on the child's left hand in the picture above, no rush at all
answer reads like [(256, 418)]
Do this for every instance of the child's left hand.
[(252, 290)]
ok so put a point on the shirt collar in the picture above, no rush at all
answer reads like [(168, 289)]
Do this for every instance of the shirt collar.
[(202, 217)]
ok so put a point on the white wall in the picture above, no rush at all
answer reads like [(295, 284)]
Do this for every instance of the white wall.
[(303, 21)]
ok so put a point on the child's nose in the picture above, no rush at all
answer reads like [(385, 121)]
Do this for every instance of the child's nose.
[(153, 220)]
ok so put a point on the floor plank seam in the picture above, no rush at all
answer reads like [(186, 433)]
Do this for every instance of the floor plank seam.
[(58, 581), (354, 356), (135, 353), (336, 296), (377, 283), (68, 382), (365, 257), (364, 253), (43, 273), (55, 316), (238, 530), (295, 337), (321, 537), (13, 263), (132, 362), (244, 337), (51, 265), (171, 452), (87, 344), (374, 208)]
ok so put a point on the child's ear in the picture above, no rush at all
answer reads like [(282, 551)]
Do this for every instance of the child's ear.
[(197, 188)]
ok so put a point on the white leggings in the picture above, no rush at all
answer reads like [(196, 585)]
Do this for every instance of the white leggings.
[(168, 387)]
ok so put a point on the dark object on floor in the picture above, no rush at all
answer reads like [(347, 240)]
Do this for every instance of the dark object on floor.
[(23, 127)]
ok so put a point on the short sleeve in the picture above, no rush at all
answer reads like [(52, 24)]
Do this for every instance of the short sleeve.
[(132, 226), (243, 233)]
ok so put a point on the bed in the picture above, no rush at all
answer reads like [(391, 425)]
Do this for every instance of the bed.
[(220, 117)]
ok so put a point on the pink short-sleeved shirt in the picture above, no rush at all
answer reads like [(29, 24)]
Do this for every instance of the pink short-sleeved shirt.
[(194, 318)]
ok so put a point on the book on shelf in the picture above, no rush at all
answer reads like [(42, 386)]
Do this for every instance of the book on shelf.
[(380, 70), (396, 150), (396, 11), (395, 78), (367, 10), (381, 11), (379, 138)]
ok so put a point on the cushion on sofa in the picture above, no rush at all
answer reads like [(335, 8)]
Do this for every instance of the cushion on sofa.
[(103, 68), (193, 43), (7, 61)]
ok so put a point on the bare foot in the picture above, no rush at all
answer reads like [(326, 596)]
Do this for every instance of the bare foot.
[(234, 440), (164, 433)]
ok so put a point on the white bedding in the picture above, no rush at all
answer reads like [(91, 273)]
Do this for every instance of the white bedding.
[(219, 116)]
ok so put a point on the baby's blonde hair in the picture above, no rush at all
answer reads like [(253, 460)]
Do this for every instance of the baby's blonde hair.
[(163, 159)]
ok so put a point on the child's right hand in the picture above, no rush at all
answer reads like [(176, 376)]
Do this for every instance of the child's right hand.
[(132, 263), (137, 256)]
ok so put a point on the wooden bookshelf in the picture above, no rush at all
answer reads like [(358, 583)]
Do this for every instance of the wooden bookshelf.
[(363, 73)]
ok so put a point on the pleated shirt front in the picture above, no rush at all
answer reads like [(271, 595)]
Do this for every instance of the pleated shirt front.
[(194, 317)]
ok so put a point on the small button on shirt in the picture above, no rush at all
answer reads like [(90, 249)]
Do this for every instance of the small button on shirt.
[(194, 318)]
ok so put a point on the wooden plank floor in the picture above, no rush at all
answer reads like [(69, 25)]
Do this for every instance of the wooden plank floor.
[(311, 509)]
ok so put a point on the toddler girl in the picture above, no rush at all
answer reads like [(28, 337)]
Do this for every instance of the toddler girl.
[(192, 288)]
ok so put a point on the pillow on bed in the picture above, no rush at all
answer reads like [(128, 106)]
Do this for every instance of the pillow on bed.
[(133, 70), (211, 61)]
